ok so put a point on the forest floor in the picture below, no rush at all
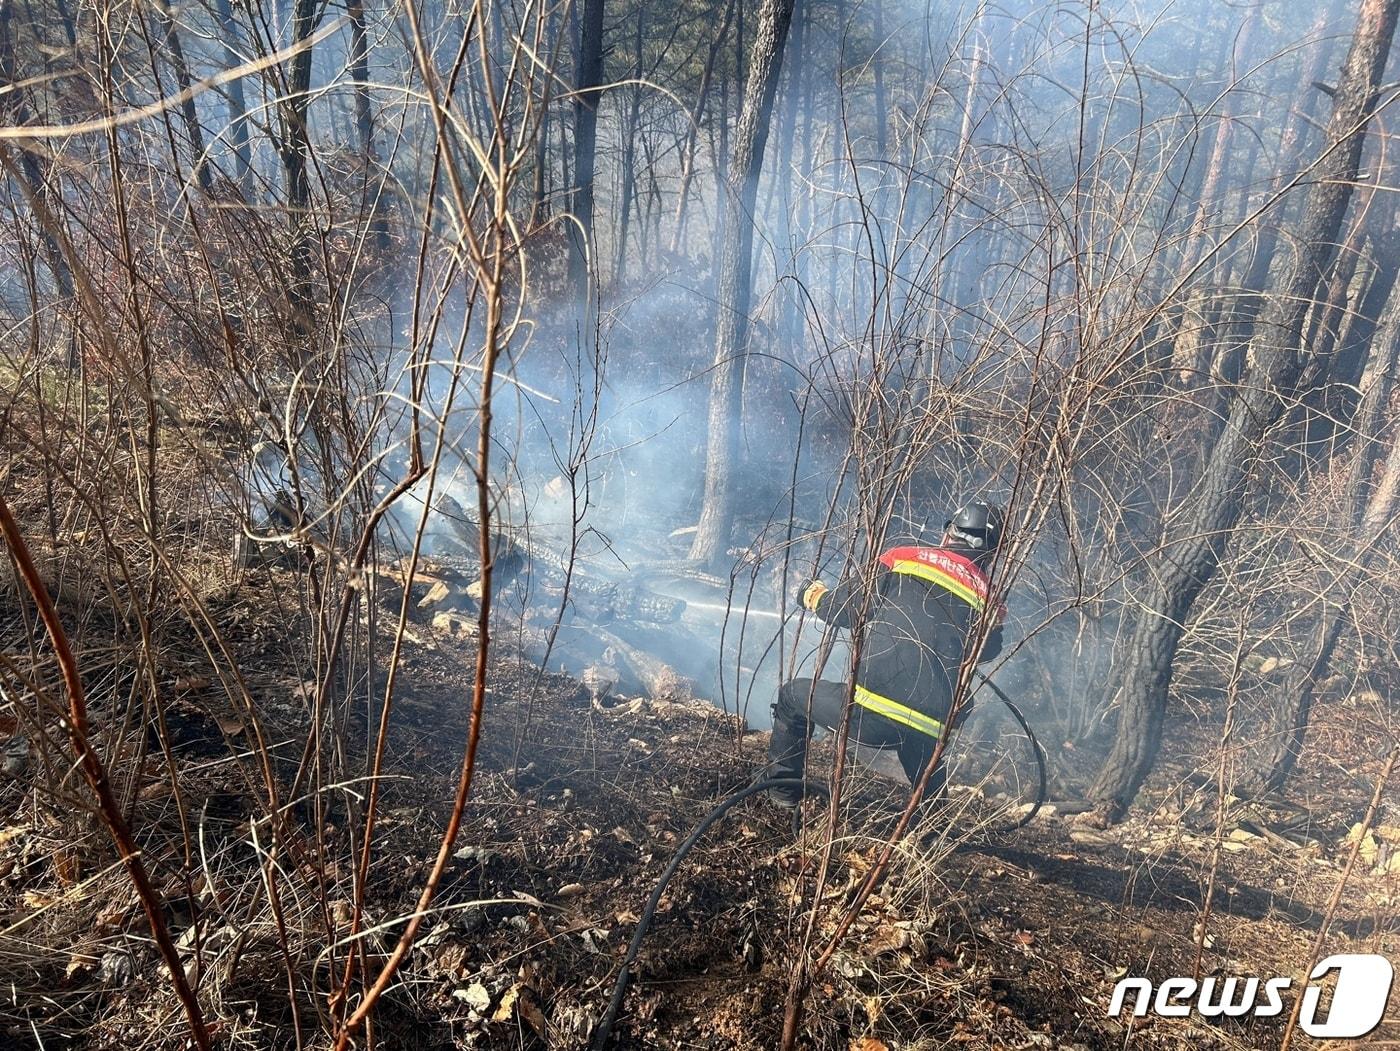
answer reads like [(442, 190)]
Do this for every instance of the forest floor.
[(981, 940)]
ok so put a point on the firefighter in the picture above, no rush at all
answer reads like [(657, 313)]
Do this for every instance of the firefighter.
[(921, 626)]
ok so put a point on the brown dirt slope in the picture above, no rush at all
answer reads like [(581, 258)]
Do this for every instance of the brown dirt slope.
[(978, 939)]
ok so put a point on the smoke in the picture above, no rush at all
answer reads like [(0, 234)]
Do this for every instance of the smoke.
[(965, 212)]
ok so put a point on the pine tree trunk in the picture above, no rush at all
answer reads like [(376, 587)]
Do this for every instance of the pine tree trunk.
[(237, 103), (790, 304), (1287, 161), (540, 189), (1359, 332), (1193, 551), (586, 98), (629, 152), (951, 275), (364, 116), (1191, 350), (651, 215), (735, 277), (805, 201), (188, 113), (877, 61), (295, 148), (693, 129), (1284, 747), (1208, 206), (15, 111)]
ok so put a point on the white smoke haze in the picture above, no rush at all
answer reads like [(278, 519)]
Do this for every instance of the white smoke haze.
[(958, 333), (979, 228), (377, 286)]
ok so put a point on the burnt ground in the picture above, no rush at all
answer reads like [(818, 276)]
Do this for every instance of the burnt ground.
[(981, 938)]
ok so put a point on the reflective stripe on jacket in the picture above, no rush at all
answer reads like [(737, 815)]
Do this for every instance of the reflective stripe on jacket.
[(925, 609), (900, 713)]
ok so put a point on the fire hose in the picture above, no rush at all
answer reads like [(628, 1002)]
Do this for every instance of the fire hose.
[(605, 1027), (603, 1033), (1042, 774)]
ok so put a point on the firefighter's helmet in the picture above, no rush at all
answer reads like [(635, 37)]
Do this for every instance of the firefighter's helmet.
[(977, 525)]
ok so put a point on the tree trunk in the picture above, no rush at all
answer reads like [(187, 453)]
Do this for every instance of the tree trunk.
[(735, 276), (950, 271), (364, 116), (719, 161), (566, 152), (836, 217), (1372, 520), (587, 95), (1208, 208), (1287, 162), (1193, 551), (739, 51), (877, 62), (359, 75), (540, 191), (1191, 350), (15, 111), (789, 298), (802, 261), (296, 151), (629, 151), (693, 130), (651, 216), (1351, 329), (1359, 333), (237, 104), (1285, 746), (188, 113)]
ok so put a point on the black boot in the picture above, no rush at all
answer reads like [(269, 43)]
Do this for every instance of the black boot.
[(787, 750)]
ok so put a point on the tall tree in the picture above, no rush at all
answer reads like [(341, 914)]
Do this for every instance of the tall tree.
[(1372, 520), (692, 131), (799, 72), (1287, 160), (1212, 188), (237, 103), (1377, 519), (629, 149), (188, 112), (1192, 550), (295, 149), (586, 97), (736, 278), (364, 117), (877, 62), (540, 189), (15, 111), (1196, 331), (1357, 331), (359, 75)]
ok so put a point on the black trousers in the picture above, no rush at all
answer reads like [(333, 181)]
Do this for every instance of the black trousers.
[(794, 720)]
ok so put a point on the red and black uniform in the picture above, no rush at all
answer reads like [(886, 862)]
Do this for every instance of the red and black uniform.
[(921, 622)]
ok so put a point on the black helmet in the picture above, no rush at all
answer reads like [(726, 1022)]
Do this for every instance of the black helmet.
[(977, 525)]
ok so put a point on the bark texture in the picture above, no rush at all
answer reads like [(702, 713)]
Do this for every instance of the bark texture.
[(735, 279), (1193, 549), (587, 81), (237, 102)]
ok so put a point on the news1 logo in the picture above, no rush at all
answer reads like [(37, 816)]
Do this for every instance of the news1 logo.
[(1358, 1001)]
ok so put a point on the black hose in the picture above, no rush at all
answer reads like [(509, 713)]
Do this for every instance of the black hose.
[(604, 1030), (1043, 779)]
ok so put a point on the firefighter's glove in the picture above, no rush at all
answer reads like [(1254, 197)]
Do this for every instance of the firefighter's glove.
[(810, 592)]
